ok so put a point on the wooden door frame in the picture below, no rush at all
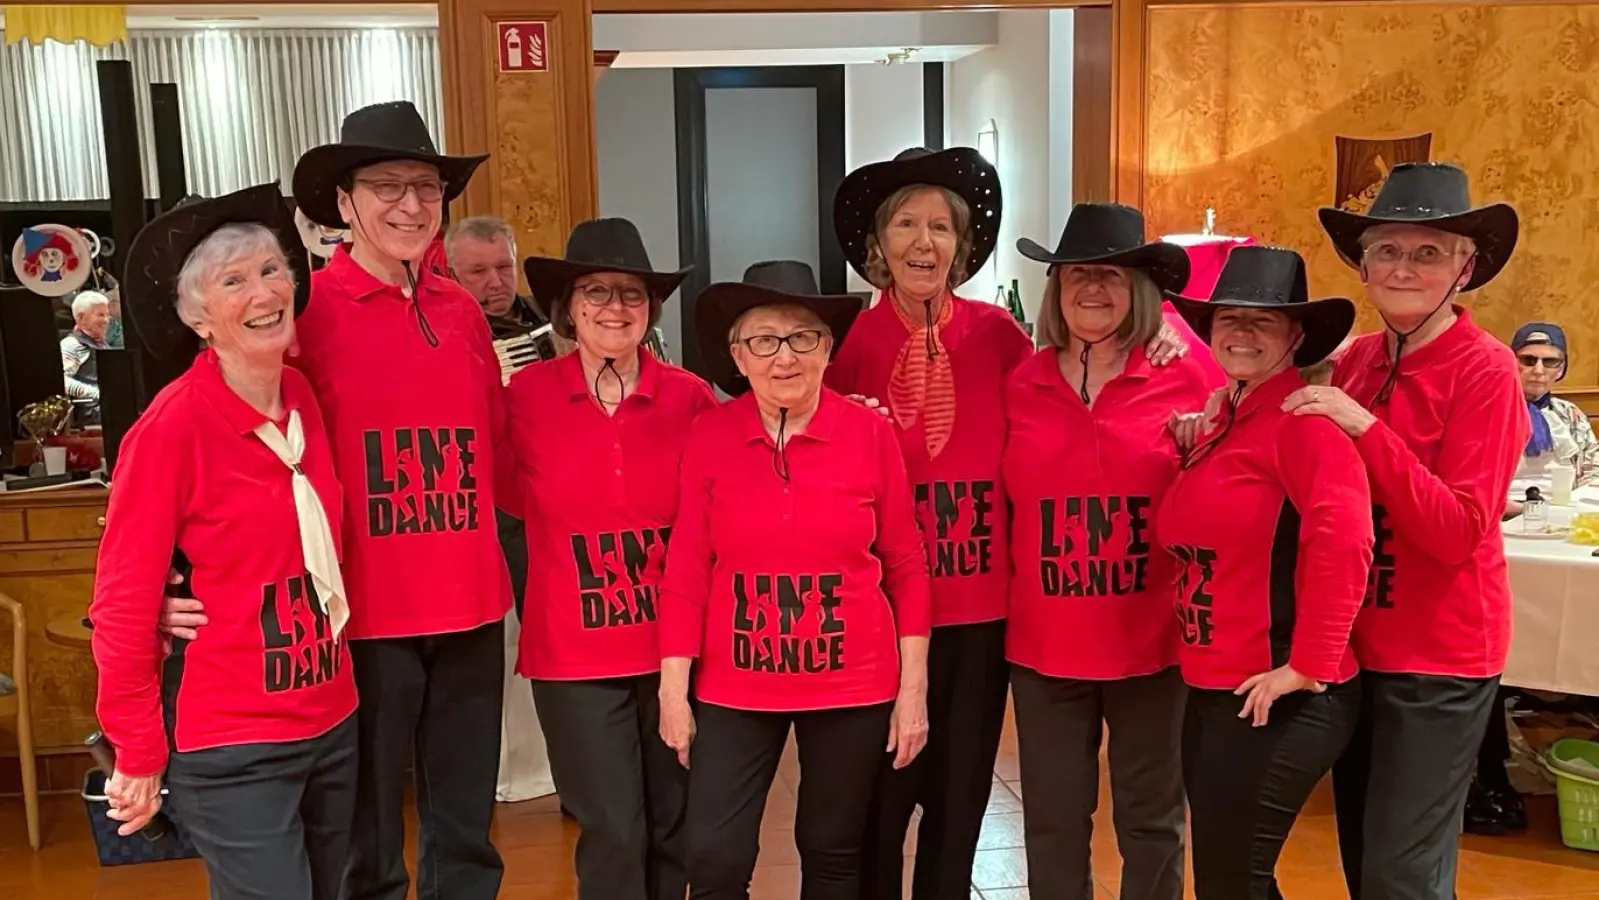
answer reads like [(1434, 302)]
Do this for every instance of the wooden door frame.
[(693, 225)]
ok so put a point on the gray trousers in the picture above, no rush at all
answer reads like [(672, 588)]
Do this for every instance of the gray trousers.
[(1059, 723), (1400, 788), (621, 783), (271, 821)]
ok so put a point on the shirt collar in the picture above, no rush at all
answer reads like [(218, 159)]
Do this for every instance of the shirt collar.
[(1272, 393), (1443, 348), (355, 282), (649, 375), (821, 428), (1048, 374), (240, 416)]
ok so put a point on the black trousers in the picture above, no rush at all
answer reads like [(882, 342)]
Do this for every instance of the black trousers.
[(1493, 755), (732, 763), (1400, 787), (271, 821), (1247, 785), (436, 700), (621, 782), (1059, 725), (967, 679)]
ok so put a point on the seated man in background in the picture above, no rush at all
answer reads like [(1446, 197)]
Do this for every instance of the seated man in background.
[(482, 254), (91, 316), (1561, 433)]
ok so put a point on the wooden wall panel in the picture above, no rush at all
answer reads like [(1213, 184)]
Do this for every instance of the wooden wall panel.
[(538, 127), (1244, 105), (1091, 104)]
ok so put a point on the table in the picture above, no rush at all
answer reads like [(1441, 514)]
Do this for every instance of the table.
[(1555, 586), (68, 631)]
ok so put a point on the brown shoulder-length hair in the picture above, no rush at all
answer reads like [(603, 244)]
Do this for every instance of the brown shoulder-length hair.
[(877, 272), (1138, 329)]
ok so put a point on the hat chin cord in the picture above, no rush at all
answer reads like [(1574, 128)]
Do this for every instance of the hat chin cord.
[(1082, 359), (1386, 391), (609, 365), (1234, 397), (422, 323), (780, 456)]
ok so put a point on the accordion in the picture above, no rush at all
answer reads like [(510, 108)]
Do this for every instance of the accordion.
[(518, 351)]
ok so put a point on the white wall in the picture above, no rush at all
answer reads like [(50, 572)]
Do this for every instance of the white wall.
[(1027, 92), (636, 144), (882, 116)]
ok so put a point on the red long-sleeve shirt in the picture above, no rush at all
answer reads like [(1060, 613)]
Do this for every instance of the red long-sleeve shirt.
[(1440, 459), (193, 477), (415, 429), (958, 493), (793, 594), (600, 494), (1271, 532), (1088, 599)]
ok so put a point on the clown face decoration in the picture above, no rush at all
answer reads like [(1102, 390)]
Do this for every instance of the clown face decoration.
[(52, 260)]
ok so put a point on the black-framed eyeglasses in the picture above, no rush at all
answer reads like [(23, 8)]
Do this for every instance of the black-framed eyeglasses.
[(601, 294), (1529, 361), (764, 345), (393, 191)]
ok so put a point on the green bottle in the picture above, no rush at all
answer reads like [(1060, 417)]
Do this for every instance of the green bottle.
[(1014, 303)]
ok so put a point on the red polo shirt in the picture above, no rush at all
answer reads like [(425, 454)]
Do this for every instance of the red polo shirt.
[(1087, 598), (600, 494), (415, 429), (1440, 459), (794, 594), (1270, 530), (193, 477), (957, 493)]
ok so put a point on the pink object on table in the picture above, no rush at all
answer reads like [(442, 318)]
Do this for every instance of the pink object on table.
[(1206, 257)]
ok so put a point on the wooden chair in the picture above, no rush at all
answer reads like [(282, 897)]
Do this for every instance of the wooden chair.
[(14, 705)]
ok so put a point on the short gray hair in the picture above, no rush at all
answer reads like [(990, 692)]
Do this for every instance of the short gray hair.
[(88, 300), (220, 248), (1462, 245), (1139, 328), (478, 228), (802, 313)]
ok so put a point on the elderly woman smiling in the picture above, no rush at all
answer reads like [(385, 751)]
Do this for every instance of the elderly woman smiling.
[(599, 434), (229, 473), (796, 577), (916, 227)]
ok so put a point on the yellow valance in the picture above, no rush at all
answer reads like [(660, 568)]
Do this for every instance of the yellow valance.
[(99, 25)]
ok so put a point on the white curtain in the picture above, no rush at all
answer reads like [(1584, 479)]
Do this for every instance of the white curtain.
[(252, 100)]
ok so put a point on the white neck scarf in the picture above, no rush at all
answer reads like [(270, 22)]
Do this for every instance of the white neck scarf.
[(316, 537)]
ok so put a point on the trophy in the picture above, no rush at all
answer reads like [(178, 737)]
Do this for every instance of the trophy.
[(42, 421)]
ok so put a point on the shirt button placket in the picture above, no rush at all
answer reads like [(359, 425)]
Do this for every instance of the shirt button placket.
[(619, 481)]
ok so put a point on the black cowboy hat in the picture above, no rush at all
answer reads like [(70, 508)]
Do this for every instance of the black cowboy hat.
[(764, 284), (960, 169), (1273, 278), (1433, 195), (595, 246), (1110, 234), (373, 134), (157, 255)]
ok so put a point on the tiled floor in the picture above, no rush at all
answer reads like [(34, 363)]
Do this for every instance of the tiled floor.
[(537, 846)]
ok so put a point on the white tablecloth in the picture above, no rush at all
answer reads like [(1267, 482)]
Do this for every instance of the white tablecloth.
[(1555, 585), (524, 762)]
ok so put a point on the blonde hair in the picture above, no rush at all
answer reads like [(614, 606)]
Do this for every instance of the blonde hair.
[(1142, 323), (877, 271)]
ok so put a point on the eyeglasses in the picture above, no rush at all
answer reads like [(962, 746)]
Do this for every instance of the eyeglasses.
[(1528, 361), (765, 345), (393, 191), (1423, 256), (601, 294)]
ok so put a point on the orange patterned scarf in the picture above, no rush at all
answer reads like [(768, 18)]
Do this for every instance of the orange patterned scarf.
[(922, 385)]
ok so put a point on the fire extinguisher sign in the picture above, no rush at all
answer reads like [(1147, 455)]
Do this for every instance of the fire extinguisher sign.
[(524, 47)]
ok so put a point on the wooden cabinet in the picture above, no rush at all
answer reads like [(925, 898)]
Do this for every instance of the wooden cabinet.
[(48, 542)]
